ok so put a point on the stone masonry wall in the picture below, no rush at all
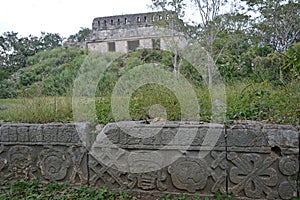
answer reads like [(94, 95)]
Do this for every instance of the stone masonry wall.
[(250, 160), (120, 29)]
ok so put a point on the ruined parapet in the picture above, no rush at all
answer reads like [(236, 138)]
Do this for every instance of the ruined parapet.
[(123, 33), (128, 21)]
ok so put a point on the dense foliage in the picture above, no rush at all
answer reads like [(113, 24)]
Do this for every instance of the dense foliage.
[(246, 37), (15, 49), (48, 73), (255, 46)]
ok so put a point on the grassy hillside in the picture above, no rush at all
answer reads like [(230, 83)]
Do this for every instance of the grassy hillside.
[(47, 73), (42, 91)]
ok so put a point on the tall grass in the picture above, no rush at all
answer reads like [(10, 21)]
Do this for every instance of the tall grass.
[(37, 109), (246, 100)]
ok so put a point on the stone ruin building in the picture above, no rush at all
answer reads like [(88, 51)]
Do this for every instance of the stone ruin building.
[(123, 33)]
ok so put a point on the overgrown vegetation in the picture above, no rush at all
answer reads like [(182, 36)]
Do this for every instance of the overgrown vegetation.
[(33, 189), (37, 109), (52, 74), (258, 57), (49, 73)]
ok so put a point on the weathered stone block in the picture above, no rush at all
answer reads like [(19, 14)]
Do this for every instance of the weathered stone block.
[(34, 151), (176, 157), (263, 161), (249, 160)]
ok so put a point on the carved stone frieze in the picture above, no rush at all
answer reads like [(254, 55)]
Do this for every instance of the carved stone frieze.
[(3, 160), (103, 175), (288, 166), (253, 174), (53, 164), (78, 155), (21, 162), (151, 175), (250, 160), (189, 174), (219, 177)]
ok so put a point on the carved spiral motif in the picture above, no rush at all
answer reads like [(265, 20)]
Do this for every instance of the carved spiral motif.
[(288, 166), (53, 164)]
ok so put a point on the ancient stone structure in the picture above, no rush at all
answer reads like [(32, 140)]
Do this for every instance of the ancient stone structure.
[(250, 160), (123, 33)]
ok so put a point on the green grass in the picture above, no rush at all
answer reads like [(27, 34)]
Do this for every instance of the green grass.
[(264, 102), (33, 189), (245, 101), (37, 109), (52, 73)]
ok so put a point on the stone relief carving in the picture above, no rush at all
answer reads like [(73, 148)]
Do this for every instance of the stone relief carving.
[(253, 174), (288, 166), (219, 179), (104, 173), (77, 156), (189, 173), (21, 160), (151, 175), (108, 153), (53, 164), (3, 161)]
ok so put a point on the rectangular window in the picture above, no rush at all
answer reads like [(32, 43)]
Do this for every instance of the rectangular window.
[(111, 46), (132, 45), (156, 44)]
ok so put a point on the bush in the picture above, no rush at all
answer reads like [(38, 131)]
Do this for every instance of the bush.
[(51, 72)]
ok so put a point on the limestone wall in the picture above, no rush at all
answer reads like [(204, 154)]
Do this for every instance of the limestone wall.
[(250, 160), (120, 29), (129, 20), (99, 40)]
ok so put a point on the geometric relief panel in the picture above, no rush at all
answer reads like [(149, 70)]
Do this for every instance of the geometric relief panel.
[(46, 163), (247, 162), (261, 176), (199, 175)]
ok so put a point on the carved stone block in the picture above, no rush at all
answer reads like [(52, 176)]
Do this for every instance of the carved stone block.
[(35, 151), (267, 167), (250, 160), (175, 158)]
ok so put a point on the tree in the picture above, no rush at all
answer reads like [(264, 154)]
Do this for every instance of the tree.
[(50, 41), (173, 26), (215, 30), (81, 36), (15, 50), (278, 21)]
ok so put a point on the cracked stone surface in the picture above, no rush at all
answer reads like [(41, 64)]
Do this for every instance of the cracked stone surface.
[(250, 160)]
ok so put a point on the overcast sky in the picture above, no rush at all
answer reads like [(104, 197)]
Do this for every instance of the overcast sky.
[(61, 16)]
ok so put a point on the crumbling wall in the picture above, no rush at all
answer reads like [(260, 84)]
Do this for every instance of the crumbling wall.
[(123, 29)]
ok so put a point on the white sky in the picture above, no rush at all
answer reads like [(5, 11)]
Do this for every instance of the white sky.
[(61, 16), (66, 17)]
